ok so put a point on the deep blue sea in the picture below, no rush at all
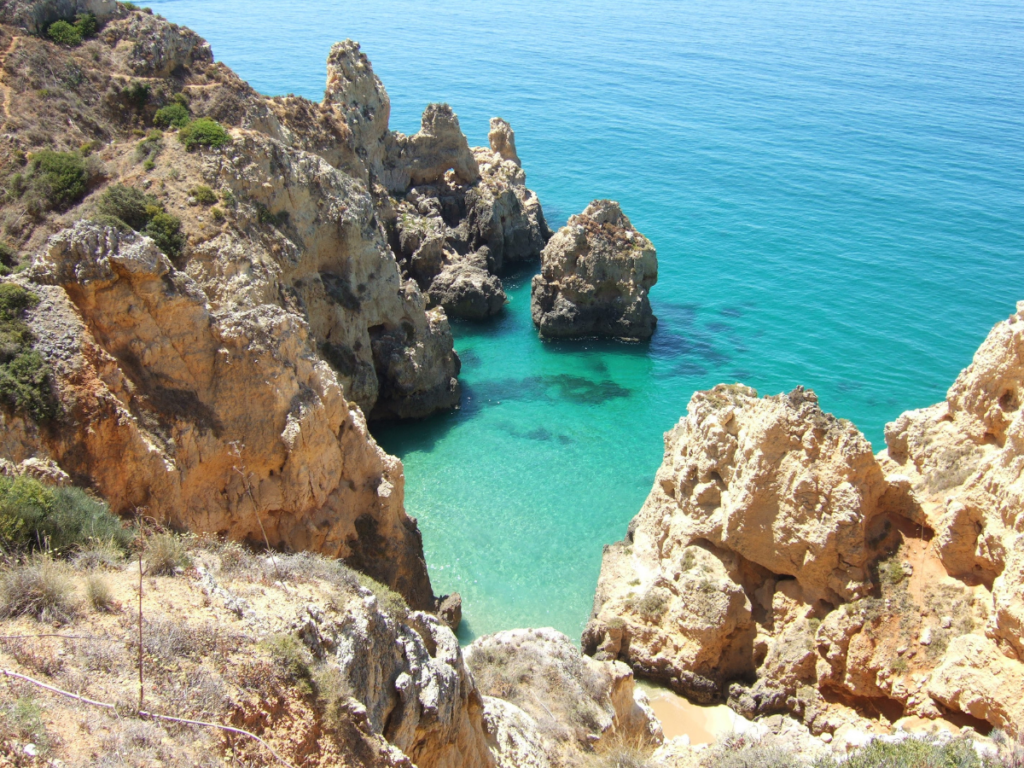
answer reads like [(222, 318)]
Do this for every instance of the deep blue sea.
[(835, 190)]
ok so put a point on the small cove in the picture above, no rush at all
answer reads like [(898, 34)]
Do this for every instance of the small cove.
[(835, 197)]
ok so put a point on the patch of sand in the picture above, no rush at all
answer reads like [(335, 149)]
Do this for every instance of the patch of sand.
[(680, 717)]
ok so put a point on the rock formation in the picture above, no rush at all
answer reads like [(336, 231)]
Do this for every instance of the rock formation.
[(780, 566), (221, 420), (222, 385), (595, 275), (539, 691), (456, 231), (457, 216)]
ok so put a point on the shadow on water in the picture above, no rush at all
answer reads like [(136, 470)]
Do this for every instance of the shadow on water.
[(465, 634), (400, 438), (540, 434), (469, 358), (561, 387)]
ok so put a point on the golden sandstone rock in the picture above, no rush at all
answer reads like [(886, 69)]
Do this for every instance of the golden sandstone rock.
[(779, 565)]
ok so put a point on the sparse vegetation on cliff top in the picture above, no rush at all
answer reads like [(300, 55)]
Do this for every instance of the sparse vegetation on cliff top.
[(24, 375)]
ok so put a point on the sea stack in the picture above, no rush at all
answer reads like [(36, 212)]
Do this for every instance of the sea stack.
[(595, 275)]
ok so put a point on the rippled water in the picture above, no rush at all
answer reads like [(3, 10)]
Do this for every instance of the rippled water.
[(836, 192)]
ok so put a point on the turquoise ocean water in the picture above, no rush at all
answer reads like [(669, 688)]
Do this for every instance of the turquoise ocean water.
[(836, 192)]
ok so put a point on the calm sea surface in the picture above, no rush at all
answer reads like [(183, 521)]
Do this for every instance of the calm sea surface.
[(836, 192)]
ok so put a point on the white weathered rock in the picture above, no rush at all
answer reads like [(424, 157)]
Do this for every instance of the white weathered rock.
[(572, 702)]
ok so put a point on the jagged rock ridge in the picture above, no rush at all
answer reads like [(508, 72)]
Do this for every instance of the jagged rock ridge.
[(779, 565)]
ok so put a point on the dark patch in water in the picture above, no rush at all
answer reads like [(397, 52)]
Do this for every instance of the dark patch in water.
[(540, 434), (597, 365), (469, 358), (742, 376), (404, 437), (731, 312), (674, 345), (575, 389), (687, 368), (675, 314), (719, 327), (849, 386)]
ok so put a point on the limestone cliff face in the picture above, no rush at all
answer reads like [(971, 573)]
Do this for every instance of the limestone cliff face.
[(755, 496), (595, 275), (781, 566), (206, 418), (223, 388), (457, 216), (964, 459)]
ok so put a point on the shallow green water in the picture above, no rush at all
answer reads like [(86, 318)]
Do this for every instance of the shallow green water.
[(836, 192)]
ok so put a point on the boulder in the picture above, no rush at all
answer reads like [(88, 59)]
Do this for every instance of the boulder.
[(571, 704), (596, 273)]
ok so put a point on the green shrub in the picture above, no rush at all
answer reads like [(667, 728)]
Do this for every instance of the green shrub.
[(36, 517), (332, 692), (25, 386), (14, 300), (24, 375), (390, 601), (143, 213), (653, 605), (58, 178), (203, 132), (165, 230), (916, 753), (65, 33), (99, 593), (130, 6), (150, 147), (128, 204), (137, 94), (41, 588), (217, 213), (292, 659), (8, 259), (891, 571), (86, 23), (23, 718), (174, 115), (203, 195), (165, 554)]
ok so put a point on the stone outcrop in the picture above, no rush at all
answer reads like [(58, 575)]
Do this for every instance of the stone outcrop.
[(226, 387), (555, 697), (35, 16), (780, 566), (211, 419), (458, 216), (596, 273)]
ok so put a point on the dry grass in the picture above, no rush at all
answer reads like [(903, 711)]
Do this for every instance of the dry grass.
[(166, 554), (40, 587), (99, 593)]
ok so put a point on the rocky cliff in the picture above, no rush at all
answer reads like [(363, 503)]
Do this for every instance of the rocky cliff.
[(215, 367), (326, 666), (779, 565), (596, 273)]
